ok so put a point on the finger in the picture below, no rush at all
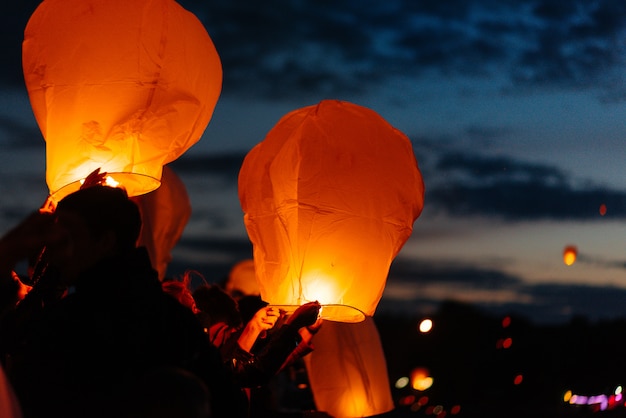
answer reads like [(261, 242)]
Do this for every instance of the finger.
[(273, 312)]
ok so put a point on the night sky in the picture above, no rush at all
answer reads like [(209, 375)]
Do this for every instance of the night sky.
[(516, 113)]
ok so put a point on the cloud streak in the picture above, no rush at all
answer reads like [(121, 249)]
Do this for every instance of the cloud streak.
[(420, 286), (510, 189)]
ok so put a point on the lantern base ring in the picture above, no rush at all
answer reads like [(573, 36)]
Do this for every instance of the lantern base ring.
[(331, 312), (135, 184)]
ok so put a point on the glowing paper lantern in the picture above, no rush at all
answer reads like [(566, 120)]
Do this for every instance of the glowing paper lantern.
[(242, 280), (164, 213), (347, 370), (124, 86), (329, 199), (569, 254), (10, 404)]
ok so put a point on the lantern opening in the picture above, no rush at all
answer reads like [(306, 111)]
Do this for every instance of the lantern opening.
[(134, 183), (331, 312)]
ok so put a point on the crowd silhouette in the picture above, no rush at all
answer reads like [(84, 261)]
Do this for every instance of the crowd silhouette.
[(91, 329)]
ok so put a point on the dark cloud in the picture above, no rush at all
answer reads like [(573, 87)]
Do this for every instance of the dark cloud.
[(426, 271), (13, 18), (20, 133), (501, 187), (223, 165), (325, 48), (280, 49), (467, 184)]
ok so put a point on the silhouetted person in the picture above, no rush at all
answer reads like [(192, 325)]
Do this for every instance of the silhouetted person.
[(167, 392), (74, 356)]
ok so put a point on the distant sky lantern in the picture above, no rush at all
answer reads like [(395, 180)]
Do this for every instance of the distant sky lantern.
[(329, 199), (242, 280), (125, 86), (569, 254)]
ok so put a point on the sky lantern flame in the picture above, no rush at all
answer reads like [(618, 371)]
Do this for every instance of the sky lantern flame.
[(124, 86), (570, 253), (329, 199)]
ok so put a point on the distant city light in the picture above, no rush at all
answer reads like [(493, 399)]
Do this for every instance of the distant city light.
[(504, 342), (402, 382), (426, 325), (567, 396), (601, 401), (602, 209), (506, 321)]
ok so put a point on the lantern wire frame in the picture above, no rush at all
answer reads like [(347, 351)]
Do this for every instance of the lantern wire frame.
[(135, 184), (331, 312)]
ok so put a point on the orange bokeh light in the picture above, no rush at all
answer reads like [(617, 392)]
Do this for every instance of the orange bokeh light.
[(421, 379), (602, 209)]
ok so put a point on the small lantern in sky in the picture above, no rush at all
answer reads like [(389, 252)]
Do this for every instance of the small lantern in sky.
[(329, 199), (570, 252), (124, 86)]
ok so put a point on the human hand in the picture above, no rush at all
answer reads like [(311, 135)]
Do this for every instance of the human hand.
[(307, 333), (94, 178), (305, 315), (265, 318)]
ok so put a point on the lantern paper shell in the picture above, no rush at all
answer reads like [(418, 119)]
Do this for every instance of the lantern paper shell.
[(164, 214), (347, 370), (124, 86), (329, 199)]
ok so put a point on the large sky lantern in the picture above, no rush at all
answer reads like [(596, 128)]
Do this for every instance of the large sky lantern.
[(329, 199), (124, 86)]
